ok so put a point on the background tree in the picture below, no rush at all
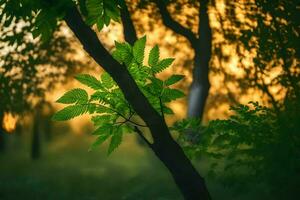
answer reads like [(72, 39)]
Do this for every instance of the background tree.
[(29, 68), (256, 143)]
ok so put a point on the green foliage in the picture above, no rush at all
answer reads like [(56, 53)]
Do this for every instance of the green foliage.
[(74, 96), (101, 12), (255, 145), (110, 112)]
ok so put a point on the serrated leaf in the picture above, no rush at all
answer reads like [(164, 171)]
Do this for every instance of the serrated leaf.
[(100, 139), (89, 81), (139, 50), (70, 112), (115, 141), (74, 96), (95, 12), (169, 94), (162, 65), (123, 53), (107, 81), (105, 129), (174, 79), (99, 118), (153, 56), (167, 110)]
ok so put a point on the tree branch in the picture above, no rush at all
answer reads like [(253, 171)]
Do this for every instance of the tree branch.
[(174, 25), (120, 74), (128, 26)]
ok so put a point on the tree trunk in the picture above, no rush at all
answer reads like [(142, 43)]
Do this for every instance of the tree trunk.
[(36, 143), (199, 89), (188, 180), (128, 26), (2, 136)]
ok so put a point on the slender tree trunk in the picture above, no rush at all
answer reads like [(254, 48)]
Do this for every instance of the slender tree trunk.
[(36, 142), (188, 180), (2, 136), (199, 89)]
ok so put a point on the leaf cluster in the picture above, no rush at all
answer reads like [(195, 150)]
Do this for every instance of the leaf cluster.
[(111, 114)]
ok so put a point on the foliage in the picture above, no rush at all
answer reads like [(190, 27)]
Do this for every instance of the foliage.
[(111, 114), (255, 145), (30, 67), (269, 37), (44, 15)]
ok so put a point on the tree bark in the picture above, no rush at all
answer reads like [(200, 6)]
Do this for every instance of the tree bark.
[(188, 180), (199, 89), (2, 136), (128, 26), (201, 46), (36, 142)]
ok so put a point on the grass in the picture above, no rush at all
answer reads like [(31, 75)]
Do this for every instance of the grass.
[(68, 171)]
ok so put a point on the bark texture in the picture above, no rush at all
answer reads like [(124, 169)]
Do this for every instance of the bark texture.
[(201, 46)]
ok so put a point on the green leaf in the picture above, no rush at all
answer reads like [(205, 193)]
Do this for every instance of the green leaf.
[(100, 139), (105, 129), (153, 56), (139, 50), (89, 81), (74, 96), (174, 79), (115, 141), (95, 12), (70, 112), (162, 65), (169, 94), (167, 110), (123, 53), (107, 81)]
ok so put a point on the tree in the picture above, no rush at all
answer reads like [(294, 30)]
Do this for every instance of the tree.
[(200, 43), (25, 74), (260, 144), (166, 149)]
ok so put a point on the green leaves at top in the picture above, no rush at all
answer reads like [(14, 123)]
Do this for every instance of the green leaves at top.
[(74, 96), (153, 56), (101, 12), (89, 81), (139, 50)]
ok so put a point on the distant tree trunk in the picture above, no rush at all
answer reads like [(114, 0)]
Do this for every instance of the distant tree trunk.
[(199, 89), (2, 136), (36, 141), (48, 129)]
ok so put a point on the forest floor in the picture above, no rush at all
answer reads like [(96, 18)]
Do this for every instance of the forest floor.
[(67, 170)]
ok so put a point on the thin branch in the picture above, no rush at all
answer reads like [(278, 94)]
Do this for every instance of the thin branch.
[(174, 25), (140, 133)]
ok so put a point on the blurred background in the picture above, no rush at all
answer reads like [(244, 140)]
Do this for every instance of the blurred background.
[(250, 53)]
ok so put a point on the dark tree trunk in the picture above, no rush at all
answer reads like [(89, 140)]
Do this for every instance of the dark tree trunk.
[(48, 129), (188, 180), (128, 26), (199, 89), (2, 136), (36, 142)]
